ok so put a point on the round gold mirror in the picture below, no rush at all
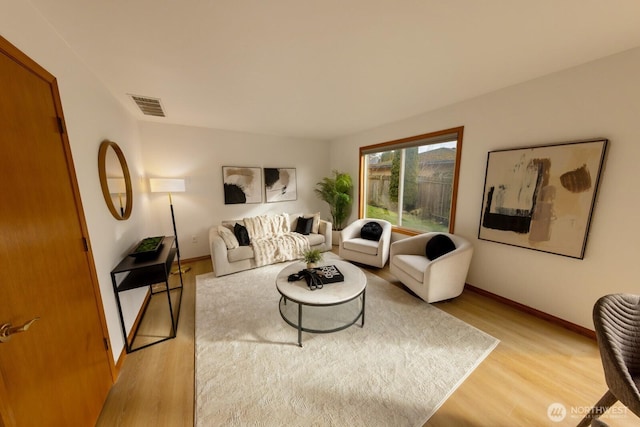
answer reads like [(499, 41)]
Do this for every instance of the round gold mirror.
[(115, 180)]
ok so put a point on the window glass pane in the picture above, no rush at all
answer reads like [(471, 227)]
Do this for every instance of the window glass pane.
[(380, 203), (428, 183), (411, 183)]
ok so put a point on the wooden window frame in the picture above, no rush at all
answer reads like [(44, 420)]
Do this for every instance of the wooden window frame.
[(407, 142)]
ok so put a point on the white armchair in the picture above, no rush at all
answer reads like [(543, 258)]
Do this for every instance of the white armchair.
[(432, 280), (353, 247)]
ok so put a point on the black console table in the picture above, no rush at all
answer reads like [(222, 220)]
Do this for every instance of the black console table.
[(153, 271)]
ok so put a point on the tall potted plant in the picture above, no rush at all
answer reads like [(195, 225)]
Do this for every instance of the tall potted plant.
[(337, 191)]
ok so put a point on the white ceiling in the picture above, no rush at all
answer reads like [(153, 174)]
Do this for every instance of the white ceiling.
[(327, 68)]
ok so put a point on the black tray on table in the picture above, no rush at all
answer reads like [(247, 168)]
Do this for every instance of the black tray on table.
[(147, 247), (329, 274)]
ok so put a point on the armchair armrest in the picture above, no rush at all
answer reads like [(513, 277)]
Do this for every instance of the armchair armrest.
[(350, 231), (414, 245), (450, 268), (384, 244)]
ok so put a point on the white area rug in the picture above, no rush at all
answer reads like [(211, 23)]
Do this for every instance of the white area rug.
[(396, 371)]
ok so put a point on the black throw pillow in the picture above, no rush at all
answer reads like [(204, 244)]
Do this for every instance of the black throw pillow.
[(241, 234), (304, 225), (371, 231), (439, 245)]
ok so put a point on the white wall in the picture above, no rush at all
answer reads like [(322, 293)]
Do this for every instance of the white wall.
[(198, 155), (599, 99), (91, 115)]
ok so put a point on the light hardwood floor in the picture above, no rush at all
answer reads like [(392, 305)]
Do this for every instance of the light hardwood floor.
[(535, 365)]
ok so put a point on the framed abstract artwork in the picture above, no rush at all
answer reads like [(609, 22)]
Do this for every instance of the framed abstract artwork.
[(542, 197), (241, 185), (280, 184)]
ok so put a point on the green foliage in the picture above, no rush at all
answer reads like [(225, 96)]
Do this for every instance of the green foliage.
[(312, 256), (394, 183), (410, 190), (409, 221), (337, 191)]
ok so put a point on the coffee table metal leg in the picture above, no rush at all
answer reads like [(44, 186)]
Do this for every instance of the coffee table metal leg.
[(363, 298), (299, 325)]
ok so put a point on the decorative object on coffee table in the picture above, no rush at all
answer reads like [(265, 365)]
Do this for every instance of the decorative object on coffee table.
[(317, 277), (312, 257), (327, 274)]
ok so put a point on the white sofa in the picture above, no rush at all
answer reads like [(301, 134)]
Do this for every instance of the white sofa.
[(228, 259)]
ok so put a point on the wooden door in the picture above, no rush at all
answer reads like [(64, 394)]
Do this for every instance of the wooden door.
[(58, 372)]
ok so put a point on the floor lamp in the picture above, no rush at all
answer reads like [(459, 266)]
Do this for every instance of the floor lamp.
[(170, 185)]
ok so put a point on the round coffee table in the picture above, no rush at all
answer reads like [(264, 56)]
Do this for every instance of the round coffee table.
[(332, 308)]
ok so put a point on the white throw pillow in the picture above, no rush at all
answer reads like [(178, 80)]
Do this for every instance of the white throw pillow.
[(229, 238), (316, 222)]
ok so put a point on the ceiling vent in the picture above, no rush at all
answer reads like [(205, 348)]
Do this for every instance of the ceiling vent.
[(149, 106)]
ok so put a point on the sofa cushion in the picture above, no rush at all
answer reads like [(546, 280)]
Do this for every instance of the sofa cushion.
[(413, 265), (240, 253), (293, 221), (241, 234), (316, 221), (230, 223), (364, 246), (229, 238), (439, 245), (304, 225), (371, 231), (315, 239)]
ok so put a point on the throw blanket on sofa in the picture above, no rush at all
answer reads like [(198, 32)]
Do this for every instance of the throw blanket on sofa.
[(272, 240), (260, 227)]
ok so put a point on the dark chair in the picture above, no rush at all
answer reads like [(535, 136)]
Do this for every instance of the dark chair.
[(616, 319)]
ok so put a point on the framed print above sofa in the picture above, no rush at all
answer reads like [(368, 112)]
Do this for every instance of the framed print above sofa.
[(280, 184), (542, 197), (241, 185)]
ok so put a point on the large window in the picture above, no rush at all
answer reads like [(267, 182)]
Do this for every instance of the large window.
[(412, 182)]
